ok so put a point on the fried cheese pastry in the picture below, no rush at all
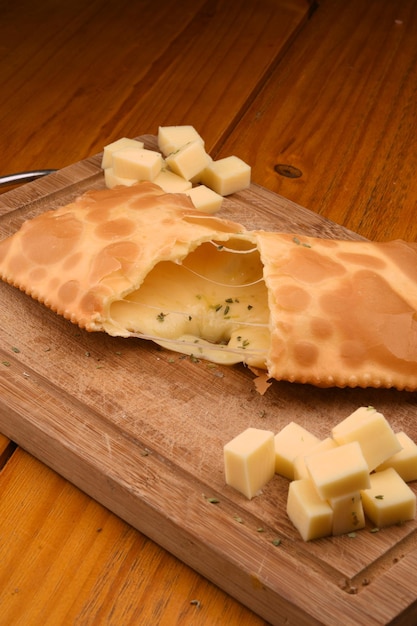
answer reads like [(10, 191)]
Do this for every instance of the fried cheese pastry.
[(135, 261)]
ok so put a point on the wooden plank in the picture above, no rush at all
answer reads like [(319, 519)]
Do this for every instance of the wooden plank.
[(340, 110), (142, 431), (83, 74)]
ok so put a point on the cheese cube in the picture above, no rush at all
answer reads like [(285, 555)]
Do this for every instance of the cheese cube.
[(292, 441), (348, 514), (171, 183), (372, 431), (119, 144), (205, 199), (140, 164), (389, 500), (339, 471), (312, 516), (300, 469), (112, 180), (404, 461), (197, 179), (249, 461), (189, 160), (226, 176), (172, 138)]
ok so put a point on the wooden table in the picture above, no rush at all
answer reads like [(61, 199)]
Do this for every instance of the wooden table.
[(319, 99)]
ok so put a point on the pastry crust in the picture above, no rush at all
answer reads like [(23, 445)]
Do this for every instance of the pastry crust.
[(79, 258), (137, 261), (343, 313)]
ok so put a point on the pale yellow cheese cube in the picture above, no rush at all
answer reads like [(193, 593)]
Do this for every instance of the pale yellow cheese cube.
[(205, 199), (119, 144), (339, 471), (140, 164), (227, 176), (300, 469), (249, 461), (172, 138), (112, 180), (171, 183), (189, 160), (348, 514), (290, 442), (389, 500), (404, 461), (197, 179), (372, 431), (312, 516)]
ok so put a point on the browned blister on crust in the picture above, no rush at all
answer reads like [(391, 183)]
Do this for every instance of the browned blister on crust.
[(308, 310)]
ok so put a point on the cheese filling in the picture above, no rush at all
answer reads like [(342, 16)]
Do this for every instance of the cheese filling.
[(212, 305)]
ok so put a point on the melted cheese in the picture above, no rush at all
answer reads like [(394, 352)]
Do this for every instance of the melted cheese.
[(213, 305)]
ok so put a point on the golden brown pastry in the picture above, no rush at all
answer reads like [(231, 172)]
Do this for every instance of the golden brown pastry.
[(343, 313), (135, 261)]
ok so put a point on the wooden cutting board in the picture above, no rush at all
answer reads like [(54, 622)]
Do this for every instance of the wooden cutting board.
[(142, 431)]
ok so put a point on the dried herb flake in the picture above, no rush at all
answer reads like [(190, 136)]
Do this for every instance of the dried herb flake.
[(196, 603)]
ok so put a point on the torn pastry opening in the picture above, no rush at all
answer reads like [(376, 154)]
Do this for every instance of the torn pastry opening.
[(213, 304)]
